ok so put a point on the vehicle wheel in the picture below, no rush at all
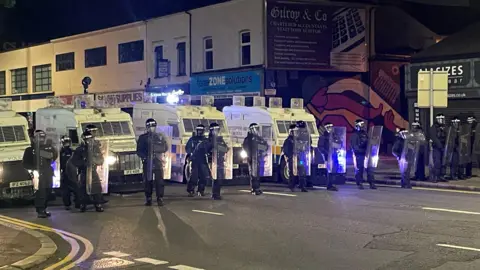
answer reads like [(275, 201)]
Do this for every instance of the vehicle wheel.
[(283, 171)]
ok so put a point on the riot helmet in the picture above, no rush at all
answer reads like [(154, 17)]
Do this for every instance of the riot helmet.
[(40, 137), (440, 119), (359, 124), (66, 141), (471, 119), (291, 129), (92, 129), (328, 127), (455, 122), (200, 130), (403, 133), (254, 129), (301, 124), (416, 126), (151, 125), (214, 129), (87, 137)]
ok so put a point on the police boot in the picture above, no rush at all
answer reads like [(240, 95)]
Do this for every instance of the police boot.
[(83, 208), (372, 185), (191, 193), (41, 213), (99, 208), (332, 188), (360, 185), (160, 202), (148, 202), (201, 191), (257, 192)]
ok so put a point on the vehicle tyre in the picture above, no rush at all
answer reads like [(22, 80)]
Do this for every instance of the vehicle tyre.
[(283, 172), (187, 170)]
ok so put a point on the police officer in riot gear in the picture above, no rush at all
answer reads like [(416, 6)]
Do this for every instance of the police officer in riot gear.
[(323, 147), (92, 129), (255, 147), (397, 150), (359, 144), (293, 158), (68, 186), (420, 169), (201, 173), (456, 169), (221, 150), (80, 160), (472, 121), (193, 142), (38, 159), (438, 136), (145, 147)]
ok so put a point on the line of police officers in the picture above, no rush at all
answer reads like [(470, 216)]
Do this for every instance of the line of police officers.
[(452, 150), (206, 161)]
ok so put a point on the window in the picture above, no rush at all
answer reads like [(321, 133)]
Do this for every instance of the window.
[(245, 49), (96, 57), (284, 125), (12, 134), (19, 81), (73, 135), (65, 61), (175, 130), (208, 46), (42, 78), (191, 124), (3, 86), (110, 128), (130, 52), (160, 71), (182, 59)]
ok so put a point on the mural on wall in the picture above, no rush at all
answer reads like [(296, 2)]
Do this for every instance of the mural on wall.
[(343, 99)]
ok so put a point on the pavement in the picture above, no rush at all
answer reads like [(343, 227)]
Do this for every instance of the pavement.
[(388, 173), (388, 228), (23, 248)]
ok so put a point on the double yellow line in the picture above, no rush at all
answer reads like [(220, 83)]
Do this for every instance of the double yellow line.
[(71, 238)]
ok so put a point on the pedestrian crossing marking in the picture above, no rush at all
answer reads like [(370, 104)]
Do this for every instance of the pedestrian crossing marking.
[(272, 193), (151, 261), (458, 247), (450, 211), (116, 254), (184, 267)]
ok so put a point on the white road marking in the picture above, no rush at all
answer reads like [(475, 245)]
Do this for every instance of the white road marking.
[(448, 190), (450, 211), (116, 254), (184, 267), (151, 261), (207, 212), (161, 226), (272, 193), (458, 247)]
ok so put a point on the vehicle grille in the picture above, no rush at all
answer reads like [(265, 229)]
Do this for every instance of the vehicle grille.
[(127, 161)]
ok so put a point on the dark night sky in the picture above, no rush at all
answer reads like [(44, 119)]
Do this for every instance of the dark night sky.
[(41, 20)]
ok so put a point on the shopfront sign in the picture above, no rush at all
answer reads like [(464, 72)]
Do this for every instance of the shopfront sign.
[(119, 100), (459, 73), (240, 82)]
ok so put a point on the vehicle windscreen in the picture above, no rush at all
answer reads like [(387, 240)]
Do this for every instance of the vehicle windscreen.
[(113, 128), (190, 124), (283, 126), (12, 134)]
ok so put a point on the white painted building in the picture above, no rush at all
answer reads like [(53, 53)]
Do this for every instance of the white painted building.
[(168, 53)]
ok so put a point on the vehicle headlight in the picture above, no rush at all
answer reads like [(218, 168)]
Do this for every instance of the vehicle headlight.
[(243, 154), (111, 159)]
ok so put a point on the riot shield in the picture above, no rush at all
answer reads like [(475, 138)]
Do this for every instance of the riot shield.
[(449, 145), (373, 147), (476, 141), (261, 151), (46, 155), (37, 161), (464, 144), (302, 156), (411, 148), (53, 140), (162, 145), (337, 159), (96, 178), (222, 158)]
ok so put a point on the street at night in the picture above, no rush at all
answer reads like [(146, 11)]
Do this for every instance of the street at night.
[(388, 228)]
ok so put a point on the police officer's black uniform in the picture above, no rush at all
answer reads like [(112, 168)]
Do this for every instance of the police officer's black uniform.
[(468, 168), (421, 159), (41, 161), (438, 136), (323, 147), (80, 161), (192, 144), (288, 151), (255, 147), (397, 151), (159, 147), (359, 144), (456, 169), (68, 185)]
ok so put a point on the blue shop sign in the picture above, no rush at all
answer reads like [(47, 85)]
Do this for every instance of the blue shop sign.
[(227, 83)]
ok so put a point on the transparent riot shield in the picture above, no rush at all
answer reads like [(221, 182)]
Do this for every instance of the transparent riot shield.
[(96, 175), (261, 151), (37, 161), (373, 148), (411, 148), (53, 140), (476, 141), (337, 159), (162, 145), (222, 158), (45, 155), (465, 144), (302, 156), (449, 145)]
